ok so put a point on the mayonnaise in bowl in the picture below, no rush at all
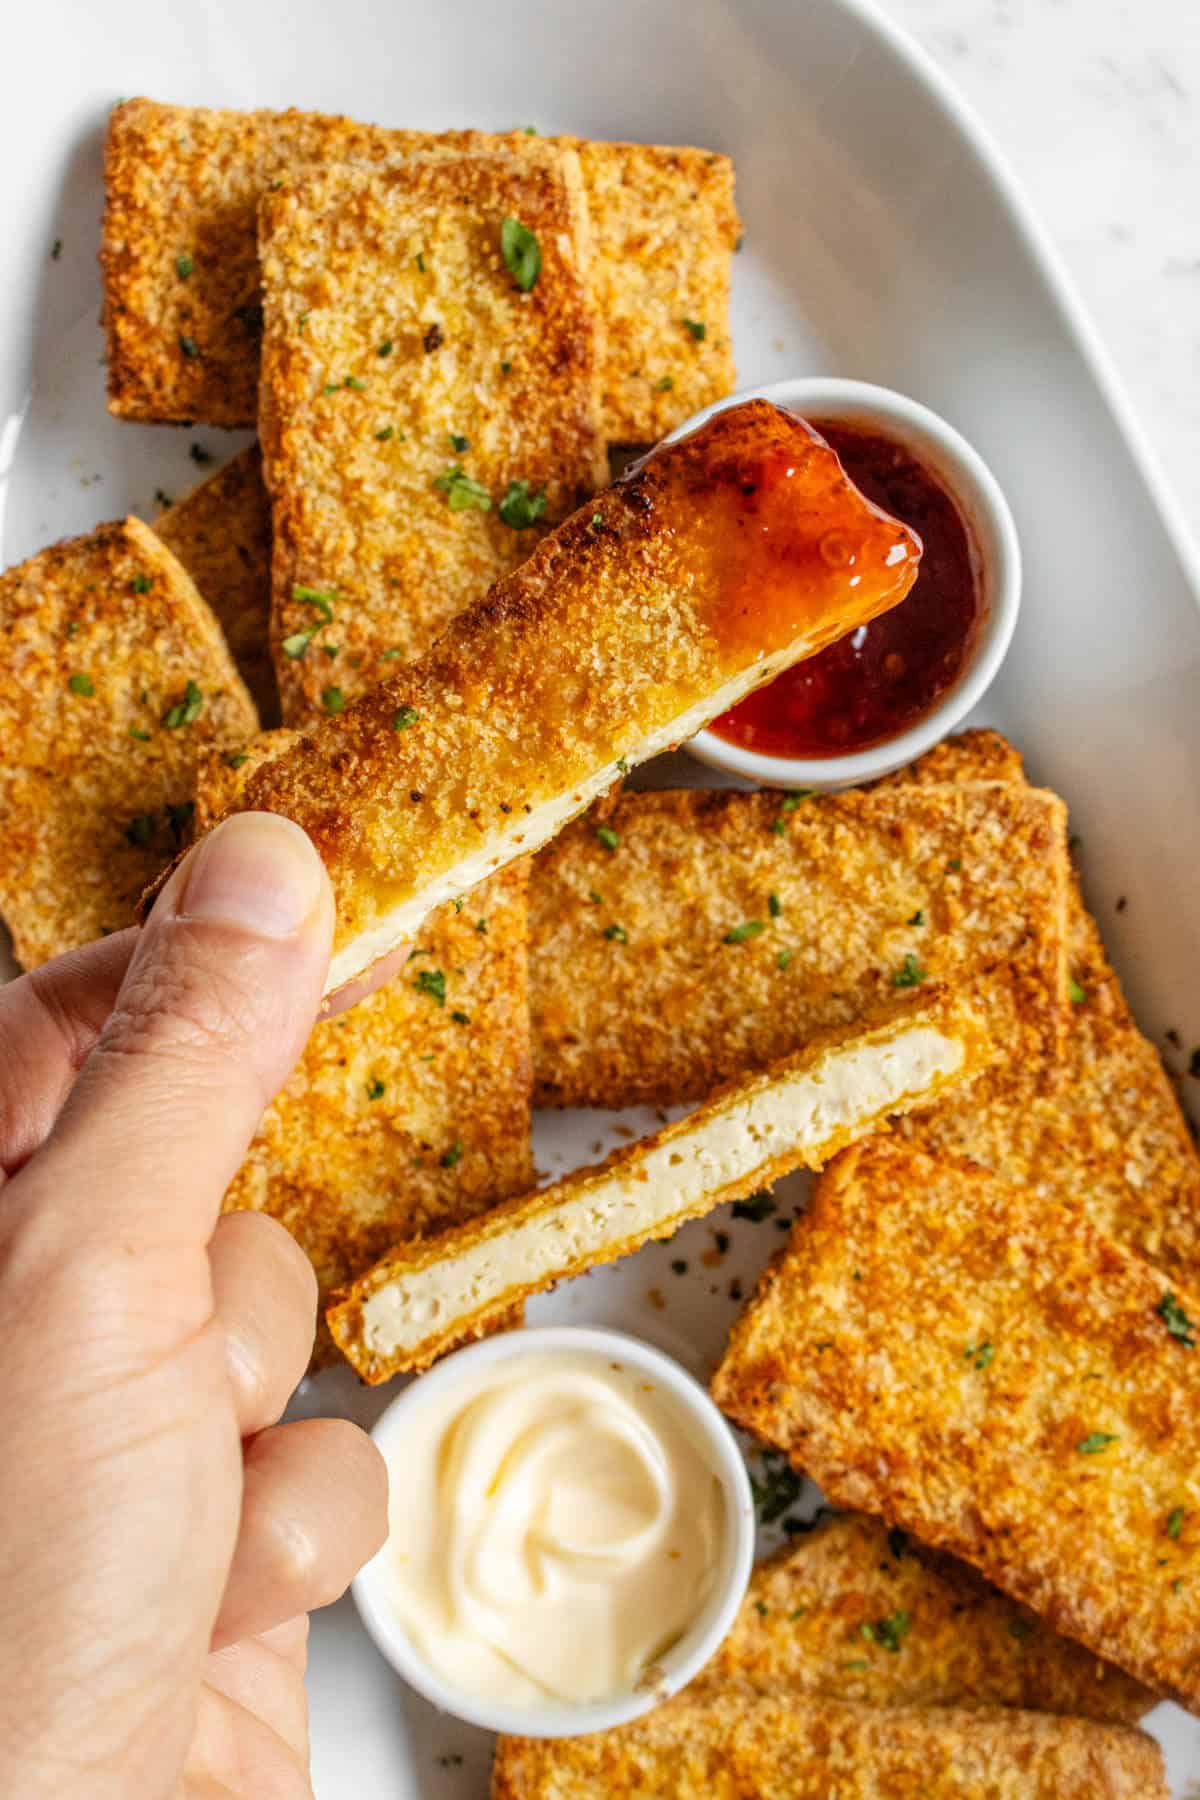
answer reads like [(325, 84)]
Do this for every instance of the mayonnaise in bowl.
[(570, 1532)]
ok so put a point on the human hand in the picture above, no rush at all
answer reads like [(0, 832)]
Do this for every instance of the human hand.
[(161, 1536)]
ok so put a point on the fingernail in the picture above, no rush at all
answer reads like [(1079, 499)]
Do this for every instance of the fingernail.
[(256, 872)]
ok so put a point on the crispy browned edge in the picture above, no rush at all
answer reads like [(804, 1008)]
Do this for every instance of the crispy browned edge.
[(970, 1015)]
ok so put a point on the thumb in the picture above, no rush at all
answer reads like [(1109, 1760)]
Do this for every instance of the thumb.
[(218, 1001)]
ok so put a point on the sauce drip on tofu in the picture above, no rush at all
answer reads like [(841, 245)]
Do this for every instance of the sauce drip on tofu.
[(881, 677), (794, 548)]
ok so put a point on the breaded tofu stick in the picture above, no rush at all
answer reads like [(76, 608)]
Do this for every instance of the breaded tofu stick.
[(856, 1612), (424, 1298), (737, 1746), (114, 679), (677, 938), (221, 533), (182, 304), (410, 1111), (1110, 1131), (426, 411), (711, 566), (991, 1374)]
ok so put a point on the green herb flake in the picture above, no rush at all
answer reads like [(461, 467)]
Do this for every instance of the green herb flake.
[(189, 347), (608, 837), (296, 646), (459, 443), (783, 959), (918, 917), (756, 1208), (385, 433), (481, 925), (200, 455), (56, 250), (81, 684), (955, 864), (237, 758), (616, 934), (519, 508), (697, 328), (521, 252), (857, 1663), (386, 348), (453, 1155), (183, 265), (141, 584), (741, 934), (666, 384), (778, 1489), (461, 492), (460, 1017), (403, 717), (375, 1088), (140, 830), (419, 259), (185, 711), (331, 650), (333, 700), (1095, 1442), (162, 498), (321, 599), (433, 983), (1175, 1522), (761, 1608), (910, 974), (1176, 1321), (980, 1354), (774, 905), (1078, 996), (891, 1630), (506, 368), (143, 737)]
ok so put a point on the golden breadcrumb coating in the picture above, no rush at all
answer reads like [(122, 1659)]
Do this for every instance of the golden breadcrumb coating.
[(114, 680), (738, 1746), (409, 388), (843, 897), (856, 1612), (703, 572), (221, 533), (182, 301), (945, 1350), (422, 1299)]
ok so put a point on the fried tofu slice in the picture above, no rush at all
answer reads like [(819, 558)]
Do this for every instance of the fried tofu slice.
[(221, 533), (422, 1299), (942, 1349), (181, 296), (411, 1110), (733, 1746), (694, 579), (424, 416), (856, 1612), (114, 679), (677, 938)]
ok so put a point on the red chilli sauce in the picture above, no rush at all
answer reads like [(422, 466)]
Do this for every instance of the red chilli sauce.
[(879, 680)]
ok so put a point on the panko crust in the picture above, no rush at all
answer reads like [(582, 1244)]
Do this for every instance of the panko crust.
[(185, 182), (398, 352), (941, 1349), (815, 1619), (790, 1747), (849, 894), (221, 533), (99, 638)]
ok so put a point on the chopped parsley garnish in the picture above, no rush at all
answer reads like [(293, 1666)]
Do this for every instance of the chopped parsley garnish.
[(384, 433), (918, 917), (296, 646), (162, 498), (433, 983), (140, 830), (1176, 1321), (739, 934), (331, 650), (333, 700), (200, 455), (375, 1088), (352, 381), (519, 508), (697, 328), (316, 597), (757, 1208), (778, 1490), (141, 584), (81, 684), (910, 974), (459, 443), (236, 758), (461, 492), (56, 250), (452, 1155), (783, 959), (189, 347), (980, 1354), (183, 265), (506, 368), (616, 934), (1095, 1442), (386, 348), (143, 737), (1175, 1522), (1078, 996), (774, 905), (460, 1017), (419, 259), (481, 925), (521, 252), (185, 711), (608, 837), (761, 1608), (955, 863), (788, 804), (857, 1663), (403, 717), (890, 1631), (666, 384)]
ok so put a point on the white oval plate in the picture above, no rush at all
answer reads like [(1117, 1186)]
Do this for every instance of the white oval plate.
[(884, 240)]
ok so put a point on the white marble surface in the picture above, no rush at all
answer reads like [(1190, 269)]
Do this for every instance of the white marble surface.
[(1096, 103)]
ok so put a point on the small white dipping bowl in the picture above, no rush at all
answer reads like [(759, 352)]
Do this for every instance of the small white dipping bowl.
[(995, 548), (685, 1658)]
